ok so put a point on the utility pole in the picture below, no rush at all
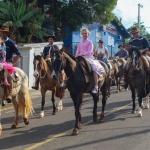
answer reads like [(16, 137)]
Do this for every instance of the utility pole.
[(139, 6)]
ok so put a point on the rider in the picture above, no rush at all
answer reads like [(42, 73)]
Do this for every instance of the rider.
[(101, 52), (85, 49), (11, 49), (47, 51), (140, 42), (122, 53)]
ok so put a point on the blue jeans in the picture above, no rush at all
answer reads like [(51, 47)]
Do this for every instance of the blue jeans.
[(106, 62)]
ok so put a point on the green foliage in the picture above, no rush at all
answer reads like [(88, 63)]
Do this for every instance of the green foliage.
[(24, 22), (75, 13)]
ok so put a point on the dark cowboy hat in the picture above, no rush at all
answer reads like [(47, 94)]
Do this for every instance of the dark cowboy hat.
[(4, 29), (53, 37), (100, 41), (121, 45)]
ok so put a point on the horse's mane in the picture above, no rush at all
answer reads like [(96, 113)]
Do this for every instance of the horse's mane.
[(70, 55), (123, 61), (134, 49), (44, 64)]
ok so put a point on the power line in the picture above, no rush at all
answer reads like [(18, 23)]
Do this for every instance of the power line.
[(130, 21)]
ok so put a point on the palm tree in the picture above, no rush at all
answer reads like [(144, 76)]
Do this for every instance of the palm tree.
[(18, 16)]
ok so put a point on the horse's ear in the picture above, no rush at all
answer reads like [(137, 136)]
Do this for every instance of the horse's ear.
[(34, 54), (61, 50)]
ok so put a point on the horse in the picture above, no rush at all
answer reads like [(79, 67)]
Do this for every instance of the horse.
[(77, 84), (20, 98), (137, 79), (119, 75), (42, 70)]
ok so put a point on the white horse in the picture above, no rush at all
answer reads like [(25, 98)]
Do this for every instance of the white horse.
[(20, 99)]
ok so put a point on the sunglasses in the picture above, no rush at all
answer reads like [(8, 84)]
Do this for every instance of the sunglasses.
[(135, 32)]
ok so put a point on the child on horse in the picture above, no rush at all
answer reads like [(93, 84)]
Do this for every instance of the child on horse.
[(8, 68), (85, 49)]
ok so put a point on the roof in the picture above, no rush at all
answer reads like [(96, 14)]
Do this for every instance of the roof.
[(121, 28)]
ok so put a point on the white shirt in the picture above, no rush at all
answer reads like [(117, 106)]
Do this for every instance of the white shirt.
[(102, 51)]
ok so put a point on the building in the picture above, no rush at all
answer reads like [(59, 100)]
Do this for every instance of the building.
[(112, 34)]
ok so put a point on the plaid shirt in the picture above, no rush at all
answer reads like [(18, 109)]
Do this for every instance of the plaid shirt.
[(122, 53)]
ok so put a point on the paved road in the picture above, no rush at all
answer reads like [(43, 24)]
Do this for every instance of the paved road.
[(121, 130)]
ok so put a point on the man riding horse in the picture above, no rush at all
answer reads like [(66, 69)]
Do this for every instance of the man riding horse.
[(142, 44), (11, 50), (48, 50)]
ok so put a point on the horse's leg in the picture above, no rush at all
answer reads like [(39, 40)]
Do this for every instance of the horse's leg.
[(43, 92), (0, 116), (60, 105), (25, 116), (77, 104), (117, 83), (16, 118), (147, 96), (96, 99), (139, 114), (133, 99), (53, 101), (120, 78), (104, 97)]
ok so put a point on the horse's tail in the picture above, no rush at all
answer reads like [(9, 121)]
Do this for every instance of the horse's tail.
[(27, 103)]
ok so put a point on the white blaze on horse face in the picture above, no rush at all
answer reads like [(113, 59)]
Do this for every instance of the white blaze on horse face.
[(53, 74), (36, 74)]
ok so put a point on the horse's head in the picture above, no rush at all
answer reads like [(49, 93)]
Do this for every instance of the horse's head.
[(37, 65), (135, 55), (57, 64)]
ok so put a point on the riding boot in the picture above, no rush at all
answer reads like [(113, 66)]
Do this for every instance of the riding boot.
[(9, 97), (36, 87)]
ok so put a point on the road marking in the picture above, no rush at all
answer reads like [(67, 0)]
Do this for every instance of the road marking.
[(64, 133), (8, 108)]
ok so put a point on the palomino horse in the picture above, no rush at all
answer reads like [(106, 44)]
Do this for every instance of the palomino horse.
[(77, 85), (137, 79), (119, 75), (42, 70), (20, 98)]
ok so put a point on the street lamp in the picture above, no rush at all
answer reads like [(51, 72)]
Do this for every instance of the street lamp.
[(139, 6)]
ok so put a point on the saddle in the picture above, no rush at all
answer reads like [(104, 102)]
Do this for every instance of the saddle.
[(85, 67)]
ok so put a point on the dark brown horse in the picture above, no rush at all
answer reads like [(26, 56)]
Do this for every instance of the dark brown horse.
[(42, 70), (137, 79), (77, 85)]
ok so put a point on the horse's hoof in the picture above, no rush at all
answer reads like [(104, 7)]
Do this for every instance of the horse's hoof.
[(95, 120), (41, 115), (60, 108), (54, 113), (26, 121), (80, 125), (142, 106), (101, 120), (133, 111), (13, 126), (139, 114), (147, 106), (75, 131), (117, 91)]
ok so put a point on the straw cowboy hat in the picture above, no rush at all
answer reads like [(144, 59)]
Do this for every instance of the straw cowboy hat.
[(4, 29), (135, 30)]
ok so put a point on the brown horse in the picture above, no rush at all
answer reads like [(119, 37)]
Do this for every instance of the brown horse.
[(119, 75), (42, 70), (20, 98), (78, 85)]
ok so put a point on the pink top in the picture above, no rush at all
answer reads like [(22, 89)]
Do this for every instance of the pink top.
[(85, 48)]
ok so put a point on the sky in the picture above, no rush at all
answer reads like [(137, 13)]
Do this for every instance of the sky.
[(128, 11)]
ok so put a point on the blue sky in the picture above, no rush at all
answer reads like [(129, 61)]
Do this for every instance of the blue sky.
[(128, 11)]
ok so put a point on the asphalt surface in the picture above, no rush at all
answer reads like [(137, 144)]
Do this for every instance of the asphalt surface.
[(120, 131)]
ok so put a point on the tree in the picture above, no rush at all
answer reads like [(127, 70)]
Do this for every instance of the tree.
[(68, 16), (24, 21)]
